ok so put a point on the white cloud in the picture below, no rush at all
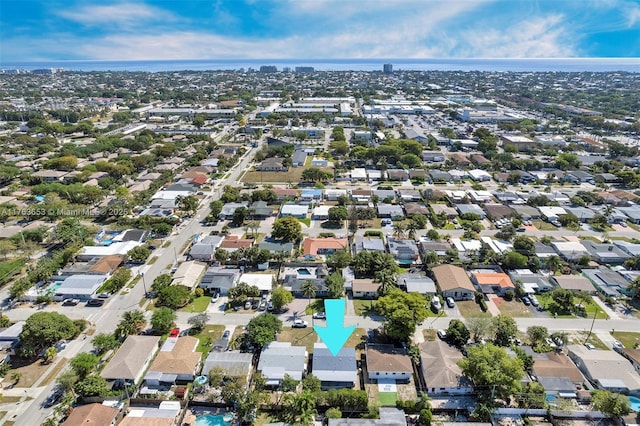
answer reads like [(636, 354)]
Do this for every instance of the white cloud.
[(119, 14), (534, 38)]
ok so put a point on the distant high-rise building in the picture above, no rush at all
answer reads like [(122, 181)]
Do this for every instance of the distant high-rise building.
[(387, 68), (305, 69), (268, 68), (286, 69)]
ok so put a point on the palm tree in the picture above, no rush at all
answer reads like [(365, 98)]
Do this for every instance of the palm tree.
[(412, 228), (387, 280), (634, 288), (399, 229), (300, 408), (309, 289), (553, 263), (132, 322)]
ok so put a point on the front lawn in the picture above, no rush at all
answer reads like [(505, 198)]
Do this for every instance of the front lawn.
[(316, 306), (628, 338), (579, 339), (299, 337), (199, 304), (429, 334), (9, 268), (512, 308), (306, 221), (388, 399), (209, 334), (544, 226), (357, 339), (30, 370), (469, 308), (364, 307)]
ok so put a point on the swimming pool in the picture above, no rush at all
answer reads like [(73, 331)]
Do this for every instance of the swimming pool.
[(635, 403), (211, 420)]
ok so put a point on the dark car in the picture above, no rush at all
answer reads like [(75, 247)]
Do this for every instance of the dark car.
[(255, 304), (54, 398), (526, 301), (95, 302), (226, 334)]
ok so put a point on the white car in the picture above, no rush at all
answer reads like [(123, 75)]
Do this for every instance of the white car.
[(319, 315), (442, 334), (299, 324), (435, 302)]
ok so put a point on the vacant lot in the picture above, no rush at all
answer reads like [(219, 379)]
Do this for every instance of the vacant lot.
[(293, 175), (469, 308), (512, 308), (299, 337), (627, 338), (29, 369), (207, 336)]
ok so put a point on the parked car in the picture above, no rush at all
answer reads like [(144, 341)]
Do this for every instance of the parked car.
[(70, 302), (255, 304), (618, 345), (526, 301), (435, 303), (104, 295), (175, 332), (319, 315), (270, 307), (95, 302), (247, 305), (534, 300), (54, 398), (589, 346), (263, 306), (215, 297), (442, 334), (299, 324), (450, 302), (226, 334)]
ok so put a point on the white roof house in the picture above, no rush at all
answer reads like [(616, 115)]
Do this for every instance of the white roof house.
[(551, 212), (294, 210), (479, 175), (321, 212), (570, 250), (170, 195), (79, 287), (264, 282), (334, 194), (121, 248), (360, 174), (280, 358)]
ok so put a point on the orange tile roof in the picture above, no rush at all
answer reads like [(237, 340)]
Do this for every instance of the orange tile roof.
[(312, 245), (233, 242), (92, 415), (493, 278)]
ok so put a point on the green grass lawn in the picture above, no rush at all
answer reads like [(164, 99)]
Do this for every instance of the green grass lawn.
[(469, 308), (357, 339), (579, 339), (316, 305), (364, 307), (209, 334), (388, 399), (628, 338), (9, 268), (306, 221), (544, 226), (299, 337), (449, 227), (199, 304), (591, 308), (429, 334)]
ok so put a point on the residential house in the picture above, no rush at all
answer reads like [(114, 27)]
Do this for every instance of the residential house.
[(392, 211), (204, 249), (558, 374), (440, 372), (491, 282), (498, 211), (472, 209), (443, 209), (544, 251), (10, 336), (188, 273), (551, 213), (633, 355), (583, 214), (632, 212), (433, 157), (440, 176), (415, 283), (311, 194), (605, 253), (295, 277), (92, 415), (608, 282), (299, 211), (230, 208), (387, 363), (526, 212), (272, 165), (273, 246), (606, 370), (132, 359), (177, 362), (523, 143), (232, 363), (260, 210), (409, 195), (453, 282), (264, 282), (438, 247), (412, 209), (335, 372), (49, 175), (364, 288), (361, 195), (299, 157), (398, 174), (479, 175), (573, 283), (286, 193), (405, 252), (81, 287), (164, 414), (388, 417), (321, 212), (219, 280), (323, 246), (334, 194), (280, 358), (532, 282), (96, 266), (89, 252), (367, 244), (570, 250)]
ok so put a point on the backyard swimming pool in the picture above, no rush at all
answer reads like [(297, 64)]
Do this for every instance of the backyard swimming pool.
[(635, 403), (211, 420)]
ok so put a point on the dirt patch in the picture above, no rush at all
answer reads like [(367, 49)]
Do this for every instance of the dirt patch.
[(30, 370)]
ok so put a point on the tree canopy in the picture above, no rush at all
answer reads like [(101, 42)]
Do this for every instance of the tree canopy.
[(403, 312), (287, 229), (262, 330), (43, 329)]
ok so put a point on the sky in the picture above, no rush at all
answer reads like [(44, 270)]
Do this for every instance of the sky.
[(54, 30)]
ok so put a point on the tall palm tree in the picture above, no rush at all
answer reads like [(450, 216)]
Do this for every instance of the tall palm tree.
[(309, 289), (634, 288), (412, 228), (553, 263), (300, 408), (387, 280), (399, 229)]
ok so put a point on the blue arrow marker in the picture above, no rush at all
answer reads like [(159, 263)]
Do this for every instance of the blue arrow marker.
[(335, 334)]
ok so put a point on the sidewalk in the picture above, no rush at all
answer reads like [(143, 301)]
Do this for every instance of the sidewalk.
[(491, 307), (612, 314)]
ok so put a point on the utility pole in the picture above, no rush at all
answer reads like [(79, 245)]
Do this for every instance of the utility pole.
[(595, 314)]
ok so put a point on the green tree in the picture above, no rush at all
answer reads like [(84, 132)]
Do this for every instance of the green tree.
[(537, 335), (457, 333), (533, 396), (514, 260), (174, 296), (104, 342), (387, 280), (197, 322), (67, 380), (562, 301), (239, 216), (44, 329), (50, 354), (504, 329), (216, 208), (92, 386), (163, 320), (333, 413), (289, 384), (139, 254), (262, 330), (6, 247), (161, 281), (280, 297), (337, 215), (300, 409), (132, 322), (311, 383), (403, 312), (493, 373), (613, 404), (287, 229), (84, 364), (339, 259), (70, 230), (309, 290), (335, 285)]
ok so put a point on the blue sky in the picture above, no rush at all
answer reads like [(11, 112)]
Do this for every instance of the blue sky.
[(41, 30)]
